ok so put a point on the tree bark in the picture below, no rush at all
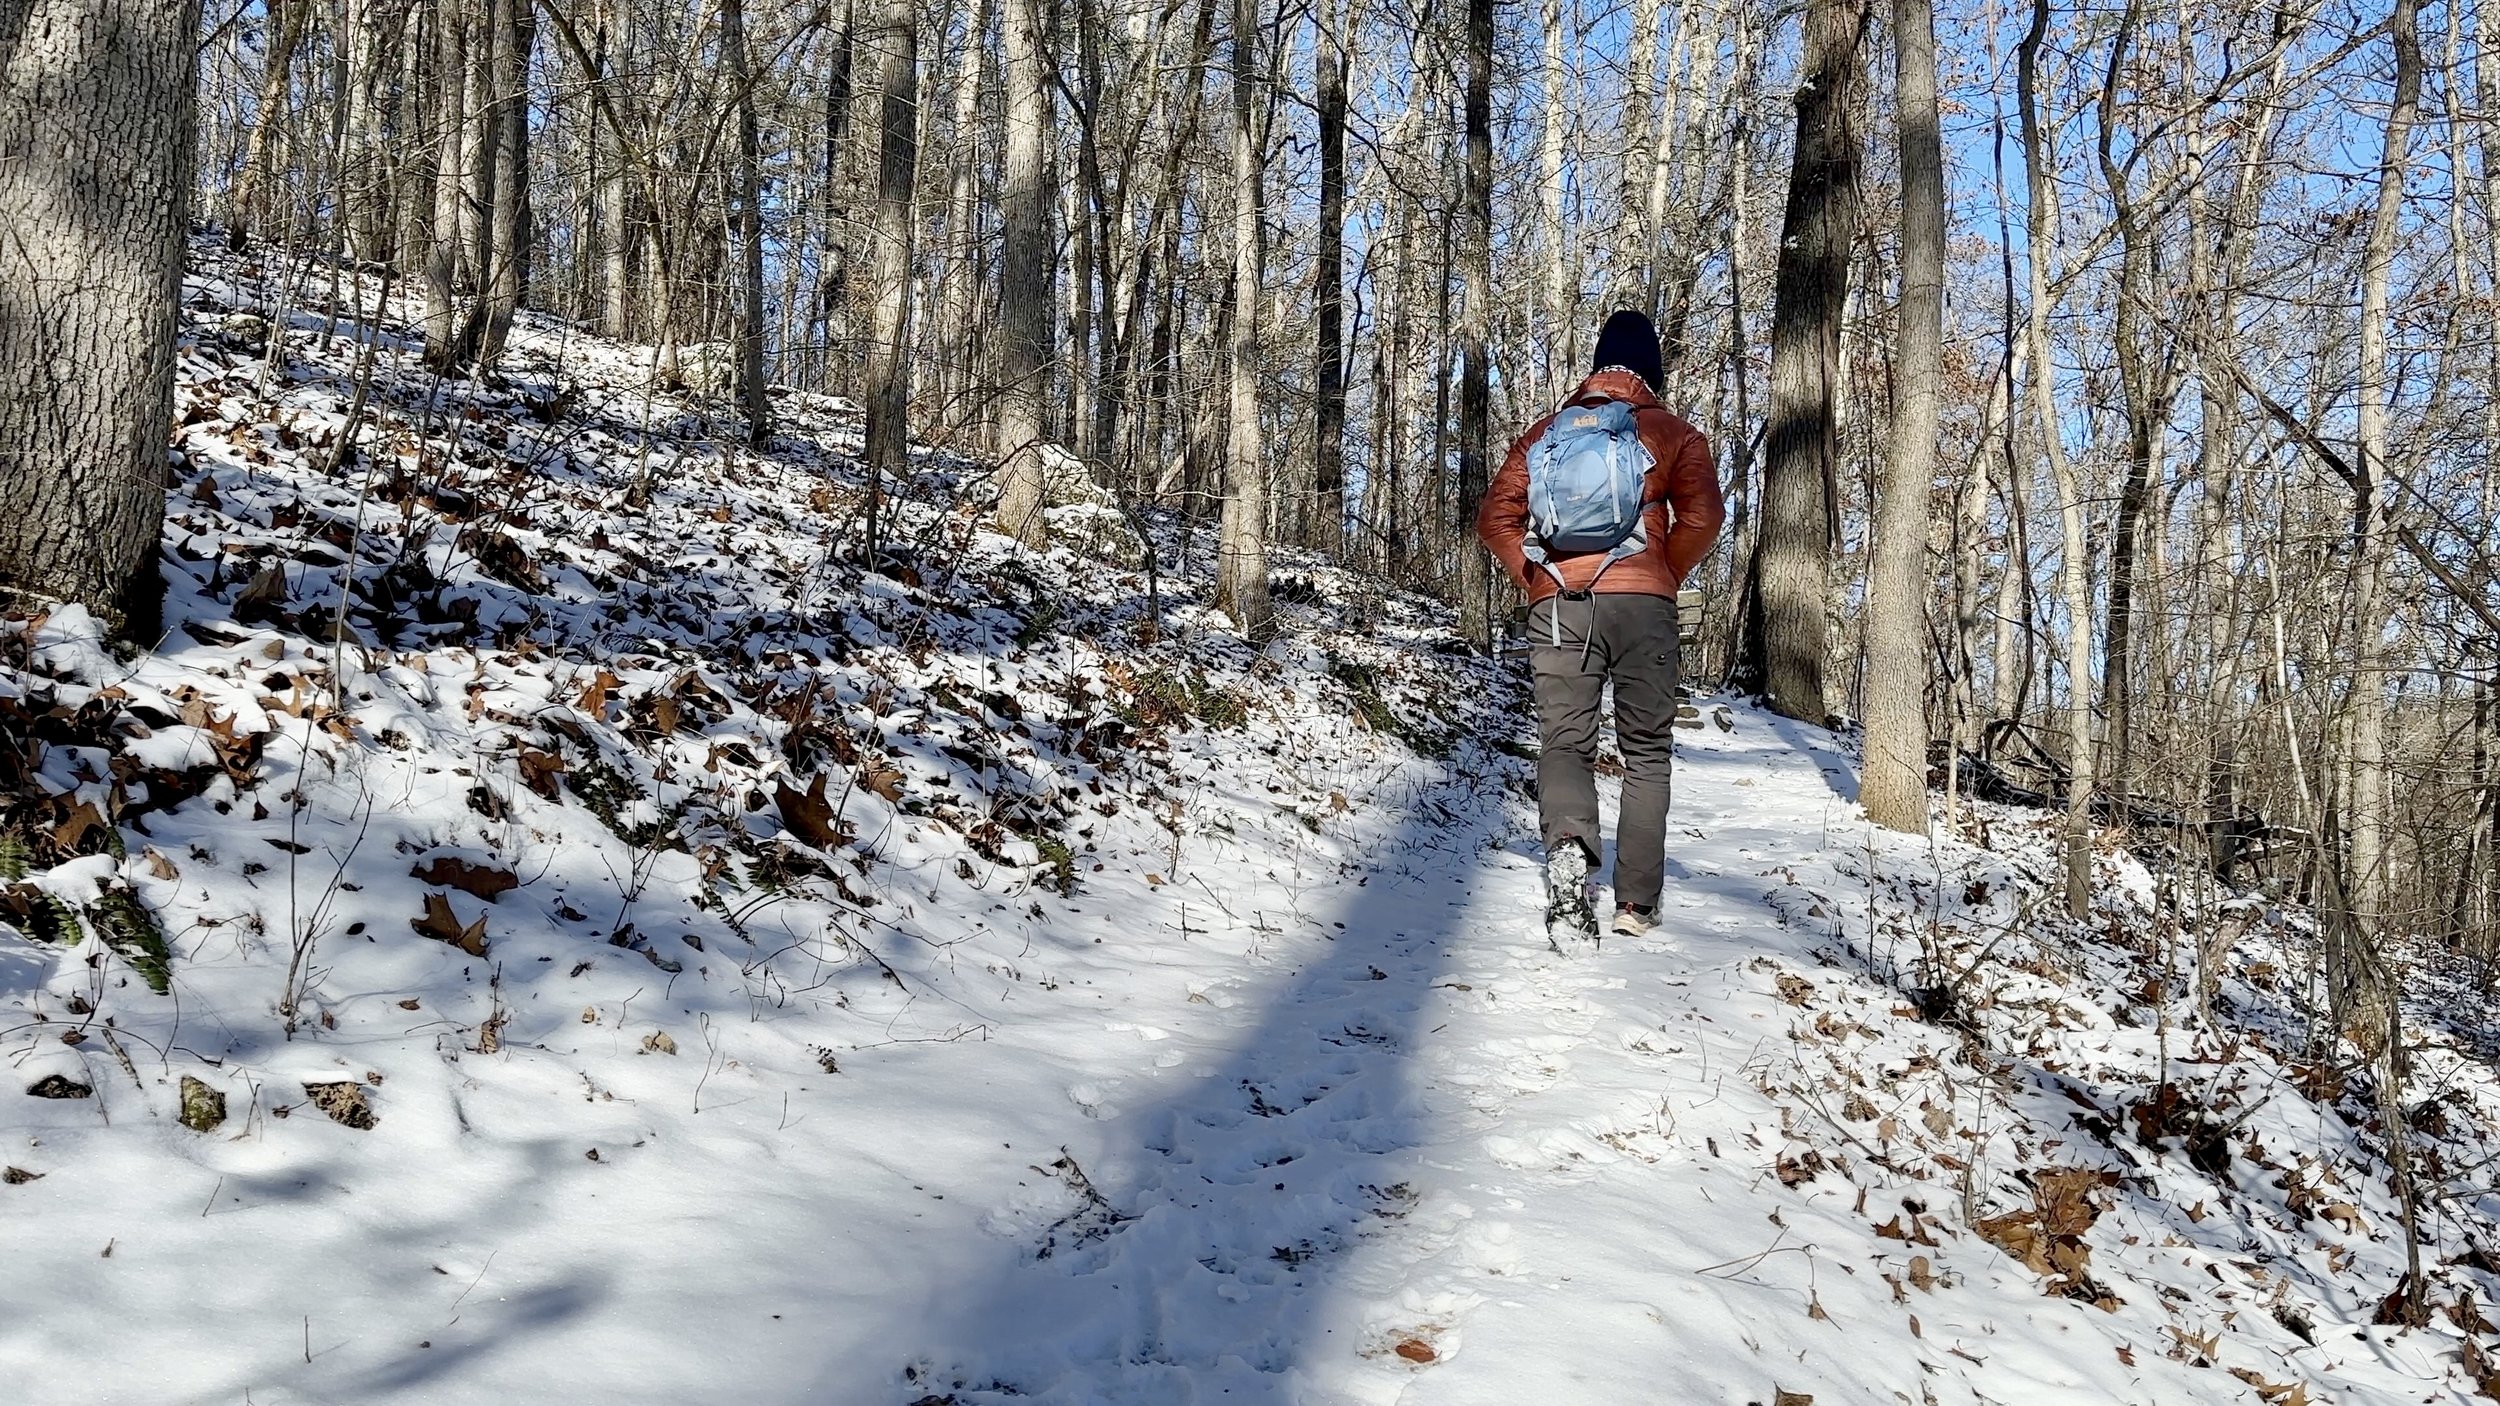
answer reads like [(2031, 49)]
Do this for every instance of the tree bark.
[(506, 130), (2146, 398), (2075, 586), (1894, 786), (1329, 375), (2355, 981), (1792, 557), (1024, 279), (959, 285), (830, 316), (96, 129), (446, 261), (366, 198), (889, 355), (250, 195), (615, 192), (750, 222), (1241, 552), (1555, 320), (1475, 577)]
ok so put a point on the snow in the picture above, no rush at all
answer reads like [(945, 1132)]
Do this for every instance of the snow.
[(895, 992)]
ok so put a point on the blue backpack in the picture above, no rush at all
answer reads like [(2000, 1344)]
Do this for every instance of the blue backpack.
[(1585, 476)]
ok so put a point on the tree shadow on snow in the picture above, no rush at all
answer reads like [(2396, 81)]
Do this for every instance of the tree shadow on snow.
[(1203, 1245)]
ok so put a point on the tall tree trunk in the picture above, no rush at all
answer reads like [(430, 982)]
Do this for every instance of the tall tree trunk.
[(2358, 995), (1555, 320), (1328, 433), (250, 196), (2487, 100), (1024, 278), (1894, 789), (1241, 553), (1792, 557), (446, 261), (2216, 275), (889, 355), (959, 287), (1739, 446), (2144, 404), (1475, 577), (2075, 586), (368, 52), (750, 220), (1634, 240), (615, 192), (96, 110), (507, 132), (486, 24)]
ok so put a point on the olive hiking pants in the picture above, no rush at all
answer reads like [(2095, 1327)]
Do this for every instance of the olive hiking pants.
[(1579, 647)]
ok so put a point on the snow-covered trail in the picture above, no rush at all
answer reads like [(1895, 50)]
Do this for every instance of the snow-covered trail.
[(1434, 1162), (1279, 1114)]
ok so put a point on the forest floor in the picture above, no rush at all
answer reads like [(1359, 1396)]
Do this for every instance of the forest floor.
[(547, 925)]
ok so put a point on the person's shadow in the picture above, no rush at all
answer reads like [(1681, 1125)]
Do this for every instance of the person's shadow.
[(1204, 1263)]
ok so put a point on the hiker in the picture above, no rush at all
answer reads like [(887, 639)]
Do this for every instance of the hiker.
[(1598, 513)]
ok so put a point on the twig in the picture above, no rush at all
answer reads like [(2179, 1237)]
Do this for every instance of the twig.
[(1749, 1261), (464, 1294)]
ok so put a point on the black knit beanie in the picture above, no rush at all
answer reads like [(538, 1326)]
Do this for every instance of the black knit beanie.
[(1631, 342)]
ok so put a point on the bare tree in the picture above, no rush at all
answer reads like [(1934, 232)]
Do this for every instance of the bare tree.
[(897, 51), (247, 204), (750, 223), (513, 27), (2356, 979), (1024, 279), (1894, 785), (2075, 587), (1328, 334), (1791, 567), (1475, 577), (96, 104), (1241, 551)]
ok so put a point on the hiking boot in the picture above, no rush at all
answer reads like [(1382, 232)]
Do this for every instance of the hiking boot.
[(1632, 920), (1567, 908)]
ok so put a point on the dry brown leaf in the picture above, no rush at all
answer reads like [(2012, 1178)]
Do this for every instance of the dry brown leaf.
[(2481, 1370), (539, 770), (69, 832), (441, 924), (265, 597), (1417, 1351), (344, 1101), (2274, 1393), (2065, 1199), (2018, 1234), (476, 880), (884, 779), (594, 698), (1783, 1397), (808, 815)]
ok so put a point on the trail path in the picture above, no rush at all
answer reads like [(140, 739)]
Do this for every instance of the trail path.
[(1434, 1162)]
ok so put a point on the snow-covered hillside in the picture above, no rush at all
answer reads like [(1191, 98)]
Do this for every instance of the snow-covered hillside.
[(546, 925)]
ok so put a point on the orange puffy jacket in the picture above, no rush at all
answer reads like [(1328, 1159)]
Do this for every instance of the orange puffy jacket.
[(1683, 518)]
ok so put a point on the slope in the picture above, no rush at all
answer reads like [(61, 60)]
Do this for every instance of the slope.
[(645, 955)]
